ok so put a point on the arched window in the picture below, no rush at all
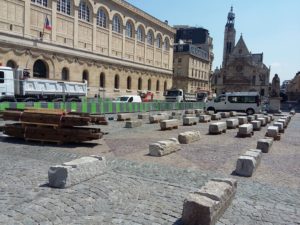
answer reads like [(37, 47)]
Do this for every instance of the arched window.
[(65, 74), (140, 83), (101, 18), (85, 76), (150, 38), (140, 34), (84, 11), (64, 6), (166, 44), (149, 85), (102, 80), (41, 2), (117, 82), (129, 29), (12, 64), (157, 85), (116, 26), (40, 69), (158, 42), (165, 86), (128, 83)]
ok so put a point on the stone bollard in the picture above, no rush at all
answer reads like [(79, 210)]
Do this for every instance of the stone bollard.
[(124, 116), (280, 126), (166, 147), (233, 113), (76, 171), (189, 137), (232, 123), (133, 124), (247, 163), (245, 130), (256, 125), (264, 144), (225, 114), (204, 118), (242, 120), (250, 118), (217, 128), (143, 116), (262, 121), (215, 116), (189, 121), (273, 132), (169, 124), (158, 118), (206, 205)]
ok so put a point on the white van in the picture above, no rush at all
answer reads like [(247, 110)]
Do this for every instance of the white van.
[(248, 102), (128, 98)]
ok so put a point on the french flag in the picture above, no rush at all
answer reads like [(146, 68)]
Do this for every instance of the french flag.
[(47, 24)]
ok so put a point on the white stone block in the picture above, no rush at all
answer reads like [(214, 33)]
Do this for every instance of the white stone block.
[(207, 205), (133, 124), (232, 123), (225, 114), (188, 121), (250, 118), (169, 124), (124, 116), (279, 125), (242, 120), (256, 124), (283, 121), (76, 171), (199, 111), (217, 128), (158, 118), (264, 144), (216, 116), (255, 153), (204, 118), (268, 119), (263, 121), (272, 131), (166, 147), (189, 137), (245, 129), (245, 166), (143, 116), (233, 113)]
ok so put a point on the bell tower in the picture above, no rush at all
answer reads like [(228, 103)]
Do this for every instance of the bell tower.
[(229, 36)]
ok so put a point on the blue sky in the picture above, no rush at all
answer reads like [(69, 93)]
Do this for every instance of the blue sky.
[(268, 26)]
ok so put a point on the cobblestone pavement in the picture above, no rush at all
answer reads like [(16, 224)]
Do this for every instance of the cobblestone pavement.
[(139, 189)]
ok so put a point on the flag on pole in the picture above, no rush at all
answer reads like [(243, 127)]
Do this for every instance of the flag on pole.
[(47, 24)]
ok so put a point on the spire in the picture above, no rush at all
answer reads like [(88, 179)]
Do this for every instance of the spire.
[(230, 18)]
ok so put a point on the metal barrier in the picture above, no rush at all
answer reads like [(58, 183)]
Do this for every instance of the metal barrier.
[(105, 107)]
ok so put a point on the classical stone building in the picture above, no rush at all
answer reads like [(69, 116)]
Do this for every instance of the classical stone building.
[(193, 59), (191, 68), (241, 70), (293, 88), (116, 47)]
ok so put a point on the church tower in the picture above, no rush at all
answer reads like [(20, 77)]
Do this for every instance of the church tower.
[(229, 37)]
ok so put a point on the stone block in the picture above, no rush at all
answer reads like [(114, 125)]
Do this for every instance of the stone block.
[(273, 132), (166, 147), (280, 126), (250, 118), (177, 117), (245, 130), (255, 153), (232, 123), (210, 112), (272, 117), (284, 121), (189, 111), (233, 113), (256, 125), (287, 118), (217, 128), (256, 116), (216, 116), (268, 119), (124, 116), (204, 118), (264, 144), (225, 114), (245, 166), (133, 124), (188, 121), (206, 205), (169, 124), (242, 120), (143, 116), (199, 111), (157, 118), (189, 137), (76, 171), (189, 115), (262, 121), (175, 113)]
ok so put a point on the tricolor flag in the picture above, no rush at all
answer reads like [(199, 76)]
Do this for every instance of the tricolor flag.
[(47, 24)]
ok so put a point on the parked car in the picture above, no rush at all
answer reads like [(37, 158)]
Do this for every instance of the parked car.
[(248, 102), (128, 98)]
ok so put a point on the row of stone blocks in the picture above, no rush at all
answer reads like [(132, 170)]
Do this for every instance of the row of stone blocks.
[(206, 205)]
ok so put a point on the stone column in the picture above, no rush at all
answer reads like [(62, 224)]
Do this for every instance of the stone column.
[(53, 16), (27, 19), (94, 33), (123, 42), (109, 37), (135, 44), (75, 41)]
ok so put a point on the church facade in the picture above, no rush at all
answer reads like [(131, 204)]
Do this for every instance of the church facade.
[(241, 70)]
